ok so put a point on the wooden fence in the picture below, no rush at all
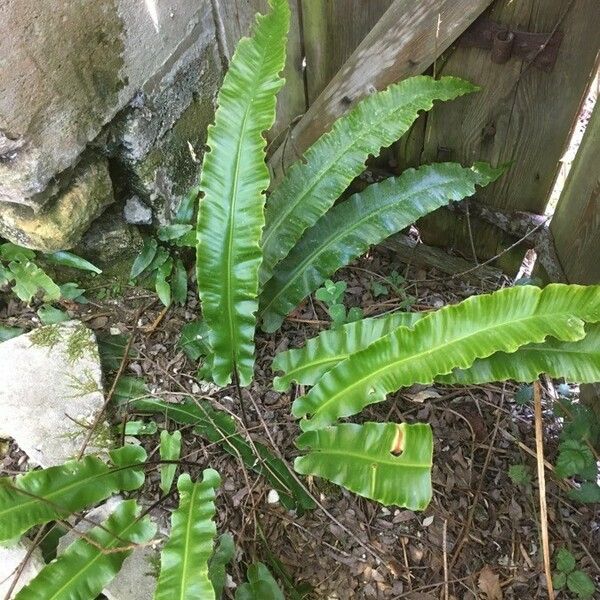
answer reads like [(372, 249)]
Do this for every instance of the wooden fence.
[(341, 50)]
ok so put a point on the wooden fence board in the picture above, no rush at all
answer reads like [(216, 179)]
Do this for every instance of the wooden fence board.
[(333, 29), (236, 18), (522, 114), (405, 41), (576, 224)]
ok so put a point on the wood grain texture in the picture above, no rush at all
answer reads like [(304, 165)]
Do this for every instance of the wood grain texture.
[(576, 222), (576, 225), (405, 41), (522, 114), (333, 29), (235, 19)]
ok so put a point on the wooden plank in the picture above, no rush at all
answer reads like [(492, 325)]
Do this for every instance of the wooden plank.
[(522, 114), (332, 31), (234, 20), (576, 222), (405, 41)]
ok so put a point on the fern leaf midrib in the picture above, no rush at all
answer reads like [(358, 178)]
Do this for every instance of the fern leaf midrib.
[(289, 208), (369, 459), (230, 241), (57, 595), (339, 235), (439, 348), (187, 543)]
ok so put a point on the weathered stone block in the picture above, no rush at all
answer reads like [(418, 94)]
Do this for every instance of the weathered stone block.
[(67, 67), (51, 388), (60, 224), (164, 129), (110, 241)]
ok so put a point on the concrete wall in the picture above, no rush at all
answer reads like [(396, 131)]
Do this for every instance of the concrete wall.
[(127, 82)]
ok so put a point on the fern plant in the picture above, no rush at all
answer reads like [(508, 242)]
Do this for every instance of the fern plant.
[(190, 567), (259, 255), (516, 333)]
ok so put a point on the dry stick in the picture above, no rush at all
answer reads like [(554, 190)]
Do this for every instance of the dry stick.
[(539, 446), (113, 387), (444, 544)]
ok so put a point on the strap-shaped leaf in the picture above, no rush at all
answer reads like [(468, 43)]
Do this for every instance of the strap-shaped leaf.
[(387, 462), (184, 559), (234, 179), (313, 184), (54, 493), (85, 568), (452, 337), (218, 427), (320, 354), (366, 218), (575, 361)]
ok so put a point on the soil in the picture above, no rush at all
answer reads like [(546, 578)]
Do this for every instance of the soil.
[(479, 538)]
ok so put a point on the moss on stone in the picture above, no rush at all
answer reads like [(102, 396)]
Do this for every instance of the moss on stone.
[(81, 343), (46, 337)]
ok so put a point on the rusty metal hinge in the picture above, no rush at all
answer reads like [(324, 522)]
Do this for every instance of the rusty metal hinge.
[(540, 49)]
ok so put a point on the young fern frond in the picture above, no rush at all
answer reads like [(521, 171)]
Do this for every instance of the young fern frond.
[(85, 568), (387, 462), (320, 354), (366, 218), (314, 183), (452, 337), (184, 559), (41, 496), (234, 180)]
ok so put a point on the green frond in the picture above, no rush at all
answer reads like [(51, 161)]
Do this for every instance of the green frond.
[(578, 362), (234, 180), (320, 354), (45, 495), (387, 462), (86, 567), (366, 218), (452, 337), (184, 558), (314, 183)]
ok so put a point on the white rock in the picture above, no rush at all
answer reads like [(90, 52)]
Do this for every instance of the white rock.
[(10, 559), (135, 580), (51, 378)]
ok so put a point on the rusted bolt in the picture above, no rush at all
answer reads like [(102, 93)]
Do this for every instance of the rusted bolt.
[(502, 46)]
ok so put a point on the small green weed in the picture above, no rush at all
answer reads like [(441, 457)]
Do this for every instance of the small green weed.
[(332, 295), (576, 581)]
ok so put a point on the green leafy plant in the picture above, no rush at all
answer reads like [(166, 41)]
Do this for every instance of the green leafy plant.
[(494, 337), (190, 567), (579, 436), (21, 273), (519, 475), (576, 581), (332, 294), (252, 260)]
